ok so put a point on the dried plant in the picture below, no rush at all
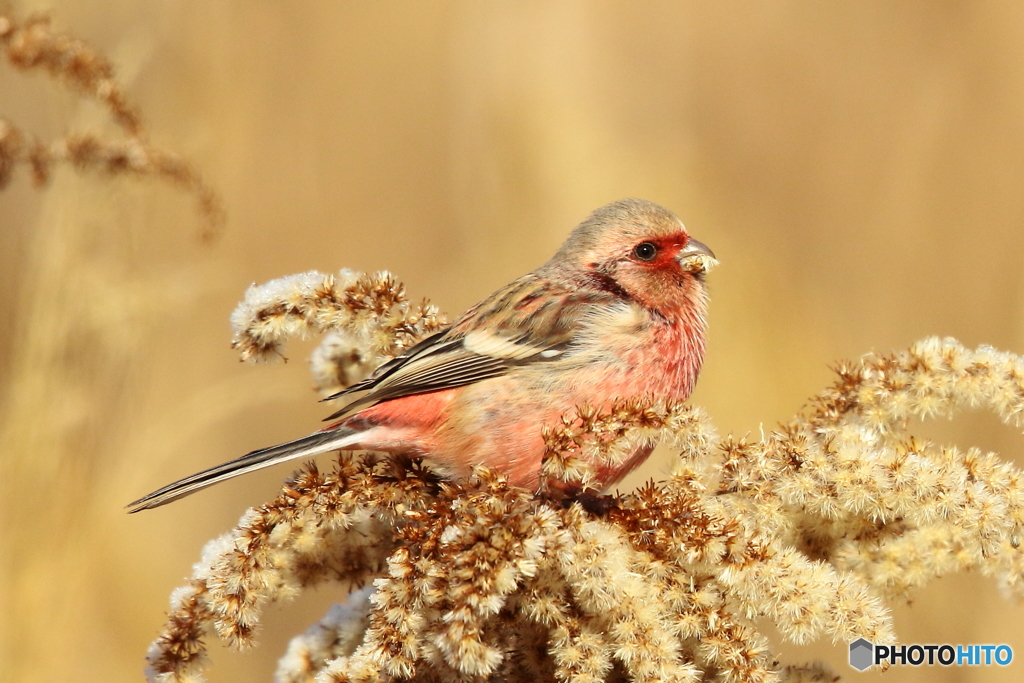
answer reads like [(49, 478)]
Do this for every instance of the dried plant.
[(368, 319), (33, 45), (810, 528)]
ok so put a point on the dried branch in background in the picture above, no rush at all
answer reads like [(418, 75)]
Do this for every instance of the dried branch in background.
[(810, 528), (32, 44)]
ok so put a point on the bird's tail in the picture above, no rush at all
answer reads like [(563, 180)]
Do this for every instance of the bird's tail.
[(320, 442)]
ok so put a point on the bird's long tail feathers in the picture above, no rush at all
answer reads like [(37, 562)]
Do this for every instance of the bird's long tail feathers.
[(320, 442)]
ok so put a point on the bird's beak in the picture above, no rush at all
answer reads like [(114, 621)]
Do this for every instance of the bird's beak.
[(696, 257)]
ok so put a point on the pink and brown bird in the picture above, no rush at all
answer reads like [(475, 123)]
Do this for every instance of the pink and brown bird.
[(618, 313)]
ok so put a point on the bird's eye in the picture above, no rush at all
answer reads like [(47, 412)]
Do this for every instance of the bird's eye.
[(645, 251)]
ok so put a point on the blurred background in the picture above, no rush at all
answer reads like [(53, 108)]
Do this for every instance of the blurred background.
[(857, 167)]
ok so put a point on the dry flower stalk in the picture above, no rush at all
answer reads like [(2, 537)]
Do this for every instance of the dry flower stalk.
[(33, 45), (368, 319), (811, 527)]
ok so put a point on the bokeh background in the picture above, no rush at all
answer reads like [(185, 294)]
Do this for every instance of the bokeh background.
[(858, 168)]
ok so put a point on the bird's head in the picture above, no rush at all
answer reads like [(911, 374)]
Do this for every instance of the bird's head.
[(642, 252)]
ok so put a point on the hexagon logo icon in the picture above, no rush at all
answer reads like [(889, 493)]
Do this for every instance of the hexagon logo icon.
[(862, 654)]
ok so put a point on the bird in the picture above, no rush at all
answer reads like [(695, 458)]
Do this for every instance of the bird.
[(618, 313)]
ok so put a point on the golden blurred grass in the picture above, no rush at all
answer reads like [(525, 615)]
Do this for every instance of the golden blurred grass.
[(858, 168)]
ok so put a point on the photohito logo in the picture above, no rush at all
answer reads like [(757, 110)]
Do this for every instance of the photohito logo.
[(864, 654)]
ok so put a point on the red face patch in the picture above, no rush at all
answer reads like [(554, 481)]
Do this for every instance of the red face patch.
[(668, 248)]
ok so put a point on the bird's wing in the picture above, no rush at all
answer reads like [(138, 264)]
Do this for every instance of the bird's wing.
[(531, 320)]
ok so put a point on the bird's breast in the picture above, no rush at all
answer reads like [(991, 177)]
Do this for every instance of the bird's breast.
[(620, 353), (630, 352)]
